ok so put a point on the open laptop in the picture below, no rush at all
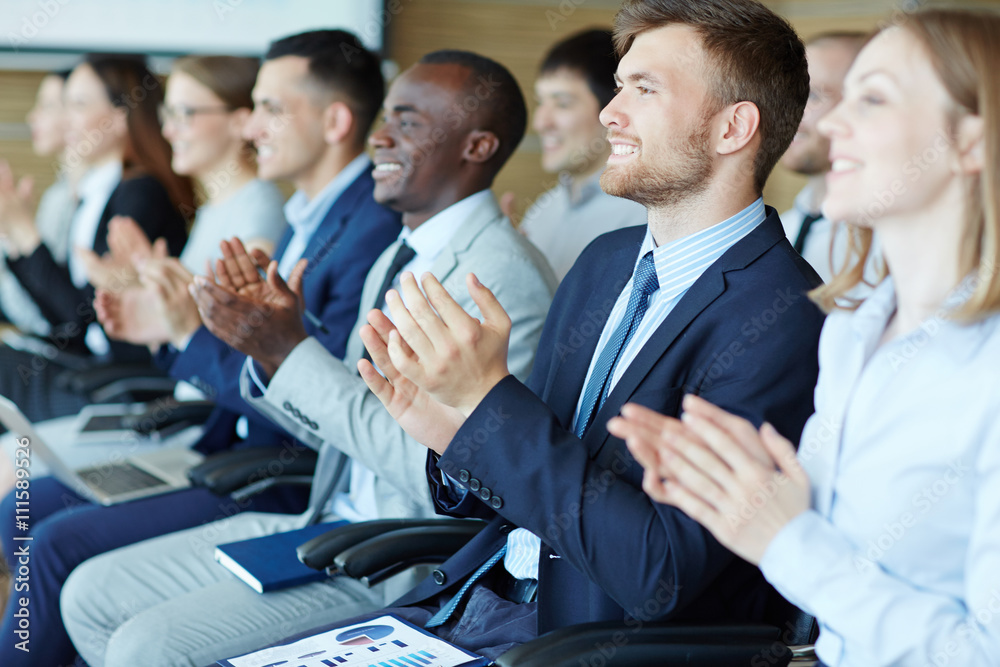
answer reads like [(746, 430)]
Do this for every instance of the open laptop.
[(111, 482)]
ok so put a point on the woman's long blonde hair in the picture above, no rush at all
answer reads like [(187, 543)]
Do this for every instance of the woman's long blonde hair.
[(964, 48)]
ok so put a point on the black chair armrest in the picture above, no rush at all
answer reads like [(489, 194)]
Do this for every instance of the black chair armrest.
[(85, 381), (638, 644), (322, 552), (226, 472), (381, 557), (168, 414)]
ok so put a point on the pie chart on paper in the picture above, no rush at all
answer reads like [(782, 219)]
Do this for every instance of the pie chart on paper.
[(366, 634)]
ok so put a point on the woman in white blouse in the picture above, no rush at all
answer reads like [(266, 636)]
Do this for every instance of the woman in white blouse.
[(886, 526)]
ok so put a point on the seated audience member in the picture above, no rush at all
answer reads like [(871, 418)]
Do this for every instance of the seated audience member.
[(668, 307), (181, 602), (206, 108), (47, 120), (114, 132), (328, 99), (885, 527), (576, 81), (820, 241)]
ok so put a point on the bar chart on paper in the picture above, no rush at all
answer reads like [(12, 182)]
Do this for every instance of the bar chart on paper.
[(382, 642)]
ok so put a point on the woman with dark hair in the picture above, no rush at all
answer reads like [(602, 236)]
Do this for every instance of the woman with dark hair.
[(113, 131)]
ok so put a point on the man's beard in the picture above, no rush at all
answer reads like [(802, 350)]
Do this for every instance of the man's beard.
[(656, 186)]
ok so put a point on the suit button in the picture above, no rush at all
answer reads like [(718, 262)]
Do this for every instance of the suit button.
[(496, 504), (464, 476), (506, 528), (474, 484), (286, 405), (439, 577), (313, 425), (485, 494)]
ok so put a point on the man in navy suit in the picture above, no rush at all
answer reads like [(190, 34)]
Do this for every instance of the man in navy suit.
[(709, 299), (315, 99)]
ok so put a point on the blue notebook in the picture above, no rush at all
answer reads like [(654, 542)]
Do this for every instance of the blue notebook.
[(269, 563)]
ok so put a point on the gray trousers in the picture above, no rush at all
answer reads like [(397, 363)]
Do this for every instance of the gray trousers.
[(166, 602)]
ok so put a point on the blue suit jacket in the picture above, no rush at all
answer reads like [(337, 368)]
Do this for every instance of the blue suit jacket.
[(744, 337), (354, 233)]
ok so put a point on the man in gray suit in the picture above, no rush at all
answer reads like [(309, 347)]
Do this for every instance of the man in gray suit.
[(450, 123)]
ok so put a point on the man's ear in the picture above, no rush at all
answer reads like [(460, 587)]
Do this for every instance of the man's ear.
[(739, 124), (970, 145), (338, 123), (480, 146)]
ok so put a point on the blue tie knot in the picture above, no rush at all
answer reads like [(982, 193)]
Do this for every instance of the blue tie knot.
[(645, 281)]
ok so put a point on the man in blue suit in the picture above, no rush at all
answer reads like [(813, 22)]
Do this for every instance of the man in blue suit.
[(316, 96), (709, 299)]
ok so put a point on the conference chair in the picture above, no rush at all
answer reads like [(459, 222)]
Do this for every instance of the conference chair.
[(373, 550)]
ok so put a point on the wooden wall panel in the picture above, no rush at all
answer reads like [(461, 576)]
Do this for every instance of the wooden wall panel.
[(17, 97), (515, 32)]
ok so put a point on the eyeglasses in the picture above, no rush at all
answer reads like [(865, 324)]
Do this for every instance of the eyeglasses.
[(181, 115)]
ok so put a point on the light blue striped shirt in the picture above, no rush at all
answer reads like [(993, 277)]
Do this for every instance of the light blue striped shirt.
[(678, 265)]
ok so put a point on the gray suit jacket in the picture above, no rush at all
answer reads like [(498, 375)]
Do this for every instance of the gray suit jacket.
[(325, 403)]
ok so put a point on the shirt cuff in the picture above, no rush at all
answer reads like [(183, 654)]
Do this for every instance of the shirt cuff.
[(800, 556), (259, 387), (182, 344)]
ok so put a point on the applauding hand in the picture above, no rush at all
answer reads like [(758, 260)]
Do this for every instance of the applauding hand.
[(742, 484), (261, 318), (429, 422), (448, 353)]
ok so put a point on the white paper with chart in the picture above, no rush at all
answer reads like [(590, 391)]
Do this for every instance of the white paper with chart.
[(386, 641)]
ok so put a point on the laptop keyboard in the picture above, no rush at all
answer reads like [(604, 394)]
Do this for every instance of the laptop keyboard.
[(119, 478)]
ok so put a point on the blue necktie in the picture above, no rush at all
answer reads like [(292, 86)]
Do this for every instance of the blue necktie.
[(446, 611), (644, 283)]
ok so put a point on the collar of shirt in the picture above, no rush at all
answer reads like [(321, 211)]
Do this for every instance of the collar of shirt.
[(100, 181), (872, 316), (430, 238), (304, 215), (95, 190), (589, 189), (681, 262)]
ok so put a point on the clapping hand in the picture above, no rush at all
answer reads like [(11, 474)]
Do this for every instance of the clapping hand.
[(17, 222), (448, 353), (260, 317), (743, 484), (427, 421)]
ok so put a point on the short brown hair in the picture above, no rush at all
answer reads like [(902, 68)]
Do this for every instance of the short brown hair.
[(753, 56), (230, 78)]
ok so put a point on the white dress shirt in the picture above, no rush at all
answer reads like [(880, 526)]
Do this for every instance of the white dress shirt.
[(899, 557), (95, 190), (678, 264), (305, 215)]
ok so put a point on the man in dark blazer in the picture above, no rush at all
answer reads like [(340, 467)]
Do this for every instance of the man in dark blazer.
[(308, 86), (572, 537)]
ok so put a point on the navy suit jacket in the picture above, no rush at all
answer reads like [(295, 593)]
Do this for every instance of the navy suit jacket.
[(351, 237), (744, 336)]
